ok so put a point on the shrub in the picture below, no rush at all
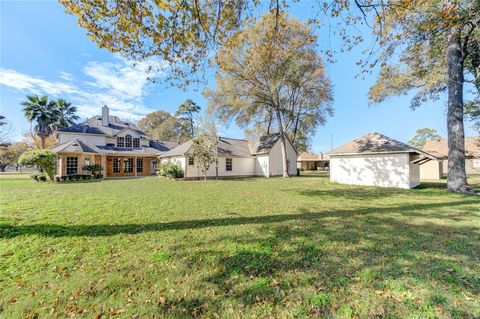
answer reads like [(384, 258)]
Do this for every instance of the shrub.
[(44, 159), (64, 178), (35, 176), (42, 178), (70, 177), (94, 169), (170, 170), (57, 179)]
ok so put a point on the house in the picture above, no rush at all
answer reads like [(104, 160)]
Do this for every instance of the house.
[(237, 158), (313, 162), (439, 148), (119, 146), (377, 160)]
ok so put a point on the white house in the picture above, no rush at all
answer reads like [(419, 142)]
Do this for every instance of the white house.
[(238, 158), (377, 160)]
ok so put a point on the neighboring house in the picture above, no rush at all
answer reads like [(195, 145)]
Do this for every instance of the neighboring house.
[(313, 162), (237, 158), (120, 147), (439, 148), (377, 160)]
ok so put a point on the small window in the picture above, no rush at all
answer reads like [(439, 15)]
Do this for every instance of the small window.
[(190, 161), (128, 165), (72, 165), (120, 141), (139, 165), (116, 165), (228, 164), (136, 142), (87, 161), (128, 141)]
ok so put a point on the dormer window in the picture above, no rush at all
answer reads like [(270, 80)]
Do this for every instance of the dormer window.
[(136, 142), (128, 140), (120, 141)]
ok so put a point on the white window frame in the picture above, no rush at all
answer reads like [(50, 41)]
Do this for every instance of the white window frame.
[(229, 162), (120, 141)]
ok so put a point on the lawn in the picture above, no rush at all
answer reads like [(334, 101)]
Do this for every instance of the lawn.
[(253, 248)]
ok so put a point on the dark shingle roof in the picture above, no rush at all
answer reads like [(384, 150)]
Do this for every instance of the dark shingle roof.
[(75, 146), (265, 143), (81, 128)]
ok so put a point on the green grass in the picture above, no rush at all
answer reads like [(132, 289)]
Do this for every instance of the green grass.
[(253, 248)]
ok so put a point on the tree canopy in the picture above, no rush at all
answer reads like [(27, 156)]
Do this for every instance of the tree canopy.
[(422, 135), (270, 81), (161, 125)]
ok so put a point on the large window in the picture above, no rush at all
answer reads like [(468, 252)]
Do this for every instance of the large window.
[(116, 165), (139, 165), (128, 165), (120, 141), (228, 164), (72, 165), (128, 141), (136, 142)]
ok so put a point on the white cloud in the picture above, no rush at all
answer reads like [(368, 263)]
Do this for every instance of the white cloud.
[(122, 85)]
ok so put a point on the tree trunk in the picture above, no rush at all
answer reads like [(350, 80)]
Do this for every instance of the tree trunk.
[(42, 141), (2, 168), (457, 177), (283, 144)]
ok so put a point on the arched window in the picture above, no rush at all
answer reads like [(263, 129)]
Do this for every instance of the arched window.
[(128, 140)]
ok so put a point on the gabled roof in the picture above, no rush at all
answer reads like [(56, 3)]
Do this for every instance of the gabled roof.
[(182, 149), (372, 143), (265, 143), (75, 146), (94, 125), (439, 147), (227, 147)]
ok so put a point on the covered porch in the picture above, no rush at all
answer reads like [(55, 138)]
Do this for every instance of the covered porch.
[(113, 166)]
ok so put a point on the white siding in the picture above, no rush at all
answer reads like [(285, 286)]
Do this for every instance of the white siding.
[(385, 170), (275, 163), (93, 139), (241, 166), (261, 165)]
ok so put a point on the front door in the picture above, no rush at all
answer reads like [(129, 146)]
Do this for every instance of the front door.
[(153, 167)]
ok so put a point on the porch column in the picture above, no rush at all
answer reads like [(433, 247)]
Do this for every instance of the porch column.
[(135, 165), (103, 162)]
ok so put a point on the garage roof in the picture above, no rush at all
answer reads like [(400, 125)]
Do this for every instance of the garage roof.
[(372, 143)]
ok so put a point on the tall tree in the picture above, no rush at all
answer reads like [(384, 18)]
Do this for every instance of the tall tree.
[(161, 125), (271, 70), (186, 113), (422, 135), (7, 155), (44, 113), (431, 48), (66, 113)]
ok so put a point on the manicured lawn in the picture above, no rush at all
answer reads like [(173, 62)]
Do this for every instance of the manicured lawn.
[(254, 248)]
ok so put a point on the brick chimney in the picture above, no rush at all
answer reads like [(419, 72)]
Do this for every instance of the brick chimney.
[(105, 115)]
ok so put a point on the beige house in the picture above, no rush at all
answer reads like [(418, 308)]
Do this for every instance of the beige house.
[(237, 158), (313, 162), (377, 160), (439, 148), (119, 146)]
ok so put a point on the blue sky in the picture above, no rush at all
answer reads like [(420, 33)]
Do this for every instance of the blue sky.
[(44, 51)]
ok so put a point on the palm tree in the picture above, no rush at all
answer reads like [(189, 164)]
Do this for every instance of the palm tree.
[(45, 113), (66, 113)]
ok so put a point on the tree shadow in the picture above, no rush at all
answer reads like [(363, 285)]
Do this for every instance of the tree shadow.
[(57, 230)]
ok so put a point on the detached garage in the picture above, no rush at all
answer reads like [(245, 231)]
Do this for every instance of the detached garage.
[(377, 160)]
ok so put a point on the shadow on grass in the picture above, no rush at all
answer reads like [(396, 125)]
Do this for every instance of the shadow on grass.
[(54, 230)]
